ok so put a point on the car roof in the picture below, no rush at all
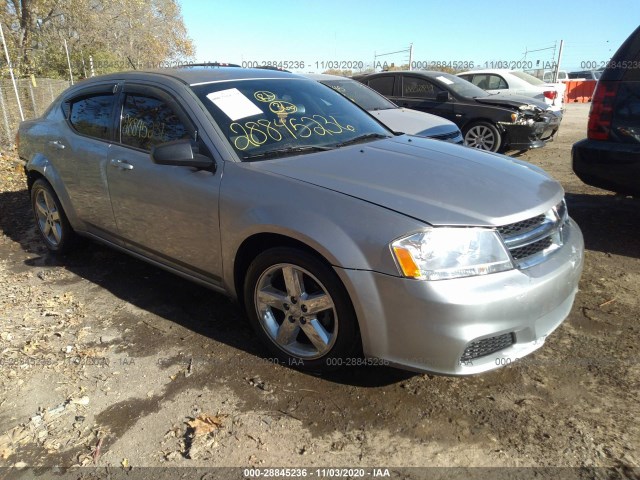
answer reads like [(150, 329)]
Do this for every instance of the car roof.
[(195, 75), (425, 73)]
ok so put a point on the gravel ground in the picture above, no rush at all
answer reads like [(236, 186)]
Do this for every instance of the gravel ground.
[(106, 361)]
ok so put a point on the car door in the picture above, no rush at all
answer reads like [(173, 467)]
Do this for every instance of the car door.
[(421, 94), (82, 144), (167, 213)]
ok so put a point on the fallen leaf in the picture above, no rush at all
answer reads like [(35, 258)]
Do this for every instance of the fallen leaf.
[(80, 401), (125, 463), (6, 452), (205, 424)]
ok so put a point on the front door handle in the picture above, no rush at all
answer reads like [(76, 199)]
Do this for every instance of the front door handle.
[(121, 164), (57, 143)]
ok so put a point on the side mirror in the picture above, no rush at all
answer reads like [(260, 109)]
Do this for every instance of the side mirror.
[(442, 97), (179, 153)]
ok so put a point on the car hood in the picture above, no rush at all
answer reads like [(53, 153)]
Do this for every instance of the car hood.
[(436, 182), (414, 122), (510, 100)]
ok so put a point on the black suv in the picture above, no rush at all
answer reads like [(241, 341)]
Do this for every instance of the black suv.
[(609, 157)]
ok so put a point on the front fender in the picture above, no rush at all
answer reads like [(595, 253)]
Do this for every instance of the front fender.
[(348, 232)]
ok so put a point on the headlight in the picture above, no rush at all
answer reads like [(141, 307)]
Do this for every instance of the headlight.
[(443, 253)]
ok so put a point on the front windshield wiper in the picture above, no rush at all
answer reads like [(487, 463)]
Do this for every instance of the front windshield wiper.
[(362, 138), (277, 152)]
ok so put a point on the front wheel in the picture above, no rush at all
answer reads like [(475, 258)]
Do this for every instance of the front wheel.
[(300, 310), (484, 136)]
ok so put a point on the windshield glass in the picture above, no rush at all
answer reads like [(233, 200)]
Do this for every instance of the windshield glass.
[(264, 118), (459, 86), (526, 77), (359, 94)]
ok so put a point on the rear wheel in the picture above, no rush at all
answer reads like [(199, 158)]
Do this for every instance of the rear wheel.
[(300, 310), (484, 136), (51, 220)]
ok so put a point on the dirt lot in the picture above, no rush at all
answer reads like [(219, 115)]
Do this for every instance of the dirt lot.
[(107, 361)]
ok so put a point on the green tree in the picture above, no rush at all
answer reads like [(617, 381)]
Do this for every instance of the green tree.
[(116, 33)]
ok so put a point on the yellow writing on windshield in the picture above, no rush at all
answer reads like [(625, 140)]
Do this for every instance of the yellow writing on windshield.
[(253, 134), (264, 96)]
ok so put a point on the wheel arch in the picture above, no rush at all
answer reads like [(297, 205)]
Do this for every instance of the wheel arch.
[(40, 167), (475, 121), (257, 243)]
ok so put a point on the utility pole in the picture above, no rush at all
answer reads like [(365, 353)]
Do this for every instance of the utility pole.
[(556, 70), (410, 56)]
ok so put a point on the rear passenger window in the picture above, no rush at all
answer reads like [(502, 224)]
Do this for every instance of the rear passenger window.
[(92, 115), (148, 121), (383, 85)]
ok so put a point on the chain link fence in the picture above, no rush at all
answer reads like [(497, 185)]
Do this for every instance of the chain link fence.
[(36, 94)]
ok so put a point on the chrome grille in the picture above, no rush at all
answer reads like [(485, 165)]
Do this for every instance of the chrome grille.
[(521, 227), (530, 241), (486, 346), (531, 249)]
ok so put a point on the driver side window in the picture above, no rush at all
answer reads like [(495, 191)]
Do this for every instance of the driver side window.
[(419, 88), (147, 121)]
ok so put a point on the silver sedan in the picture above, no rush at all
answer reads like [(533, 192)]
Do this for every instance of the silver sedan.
[(346, 243)]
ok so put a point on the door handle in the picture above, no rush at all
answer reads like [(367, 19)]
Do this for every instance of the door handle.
[(121, 164), (57, 143)]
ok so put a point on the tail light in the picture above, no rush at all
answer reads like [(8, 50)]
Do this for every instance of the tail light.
[(550, 94), (601, 112)]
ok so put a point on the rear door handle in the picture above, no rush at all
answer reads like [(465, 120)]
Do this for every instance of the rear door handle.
[(57, 143), (121, 164)]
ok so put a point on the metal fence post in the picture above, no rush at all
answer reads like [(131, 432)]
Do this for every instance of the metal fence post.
[(5, 118)]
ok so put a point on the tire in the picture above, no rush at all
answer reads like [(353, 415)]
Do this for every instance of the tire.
[(51, 220), (484, 136), (300, 310)]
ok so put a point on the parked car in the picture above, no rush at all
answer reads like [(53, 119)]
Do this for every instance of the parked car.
[(337, 235), (585, 75), (397, 119), (609, 157), (518, 83), (488, 122)]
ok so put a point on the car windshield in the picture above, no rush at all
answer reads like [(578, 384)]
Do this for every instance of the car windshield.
[(459, 86), (596, 74), (266, 118), (526, 77), (359, 94)]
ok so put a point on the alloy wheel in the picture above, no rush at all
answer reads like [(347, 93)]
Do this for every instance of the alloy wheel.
[(296, 311)]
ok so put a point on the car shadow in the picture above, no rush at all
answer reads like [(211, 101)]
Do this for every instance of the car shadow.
[(161, 293), (609, 223)]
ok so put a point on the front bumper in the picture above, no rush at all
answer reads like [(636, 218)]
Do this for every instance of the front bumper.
[(524, 137), (426, 326)]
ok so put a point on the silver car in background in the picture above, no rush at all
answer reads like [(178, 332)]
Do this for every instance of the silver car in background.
[(338, 237), (397, 119)]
